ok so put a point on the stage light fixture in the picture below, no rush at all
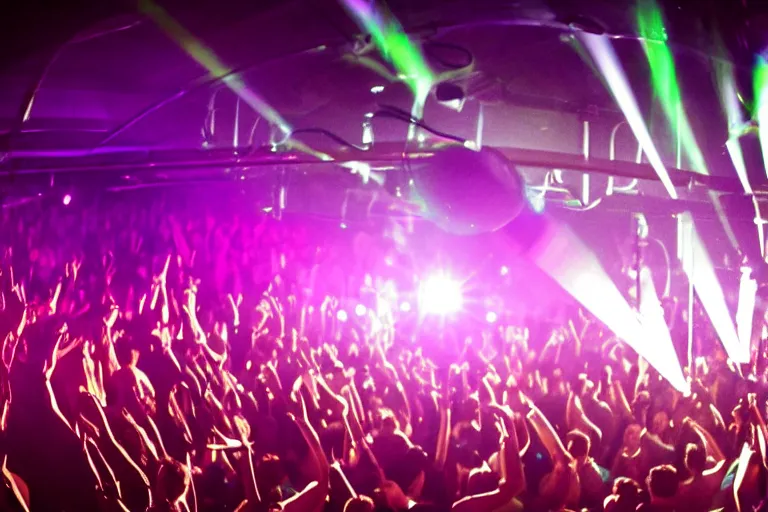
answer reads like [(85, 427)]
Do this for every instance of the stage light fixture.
[(467, 192), (405, 307), (66, 200), (440, 295), (360, 310), (342, 316), (491, 317)]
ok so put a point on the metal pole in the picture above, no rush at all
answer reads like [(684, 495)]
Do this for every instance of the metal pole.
[(585, 195), (691, 273), (678, 139), (638, 261)]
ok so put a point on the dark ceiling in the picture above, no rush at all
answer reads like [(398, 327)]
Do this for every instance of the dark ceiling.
[(39, 25), (534, 86)]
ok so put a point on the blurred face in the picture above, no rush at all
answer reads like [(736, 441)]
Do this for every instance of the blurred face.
[(660, 423), (632, 438)]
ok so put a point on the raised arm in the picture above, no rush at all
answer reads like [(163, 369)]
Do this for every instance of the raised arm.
[(511, 484), (312, 497)]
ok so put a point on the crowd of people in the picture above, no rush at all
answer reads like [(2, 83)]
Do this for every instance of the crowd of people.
[(160, 358)]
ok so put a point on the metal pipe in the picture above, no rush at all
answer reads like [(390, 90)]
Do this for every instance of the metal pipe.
[(691, 298), (384, 152), (612, 157), (236, 131), (585, 196), (668, 261), (678, 139)]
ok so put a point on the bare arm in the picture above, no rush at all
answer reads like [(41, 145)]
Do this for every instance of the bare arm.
[(512, 483), (312, 497)]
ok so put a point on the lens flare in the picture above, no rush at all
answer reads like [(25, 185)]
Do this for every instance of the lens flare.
[(440, 295)]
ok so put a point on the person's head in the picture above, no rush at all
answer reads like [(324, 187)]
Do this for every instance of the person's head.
[(359, 504), (695, 459), (626, 488), (127, 353), (270, 473), (663, 482), (578, 444), (409, 473), (389, 423), (625, 496), (482, 480), (740, 413), (389, 495), (660, 423), (173, 478), (632, 437)]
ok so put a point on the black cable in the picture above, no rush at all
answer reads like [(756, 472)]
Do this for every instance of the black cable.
[(330, 135), (193, 85), (398, 113)]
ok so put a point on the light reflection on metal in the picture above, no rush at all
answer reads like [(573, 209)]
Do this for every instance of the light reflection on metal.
[(746, 308), (585, 198)]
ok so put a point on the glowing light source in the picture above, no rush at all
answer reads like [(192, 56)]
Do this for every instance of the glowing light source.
[(360, 310), (342, 316), (504, 270), (66, 200), (440, 295), (405, 307), (394, 44), (491, 317)]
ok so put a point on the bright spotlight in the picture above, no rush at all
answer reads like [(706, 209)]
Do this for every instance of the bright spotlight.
[(504, 270), (491, 317), (440, 295), (405, 307), (66, 200), (360, 310), (341, 316)]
